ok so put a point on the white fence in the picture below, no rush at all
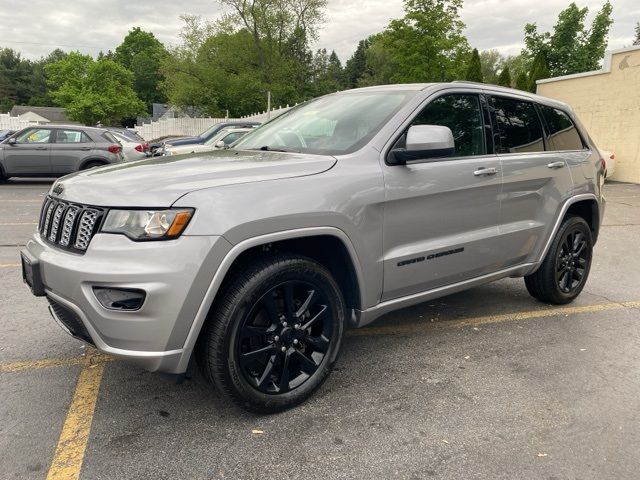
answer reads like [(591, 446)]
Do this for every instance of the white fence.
[(8, 122), (194, 126)]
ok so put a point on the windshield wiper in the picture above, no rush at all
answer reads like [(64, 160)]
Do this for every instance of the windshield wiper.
[(267, 148)]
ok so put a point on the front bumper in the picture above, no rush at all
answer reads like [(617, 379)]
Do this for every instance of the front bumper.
[(174, 274)]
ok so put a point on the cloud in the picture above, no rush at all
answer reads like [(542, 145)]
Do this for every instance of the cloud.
[(94, 25)]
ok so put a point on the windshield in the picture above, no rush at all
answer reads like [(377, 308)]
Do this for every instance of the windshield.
[(210, 130), (330, 125)]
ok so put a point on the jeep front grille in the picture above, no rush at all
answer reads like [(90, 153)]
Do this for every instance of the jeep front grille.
[(68, 225)]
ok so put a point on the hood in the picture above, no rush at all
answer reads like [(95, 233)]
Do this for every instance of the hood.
[(182, 149), (184, 140), (160, 181)]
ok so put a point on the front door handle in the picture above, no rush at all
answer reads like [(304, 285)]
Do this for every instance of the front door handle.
[(556, 165), (41, 148), (485, 171)]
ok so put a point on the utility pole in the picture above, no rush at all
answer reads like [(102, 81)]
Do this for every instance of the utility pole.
[(268, 104)]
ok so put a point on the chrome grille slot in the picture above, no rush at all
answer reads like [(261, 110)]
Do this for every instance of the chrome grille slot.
[(57, 216), (47, 218), (85, 229), (67, 225)]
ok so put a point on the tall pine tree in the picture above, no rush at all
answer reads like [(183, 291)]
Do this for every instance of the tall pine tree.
[(474, 70)]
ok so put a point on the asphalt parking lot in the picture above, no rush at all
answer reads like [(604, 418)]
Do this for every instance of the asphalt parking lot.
[(483, 384)]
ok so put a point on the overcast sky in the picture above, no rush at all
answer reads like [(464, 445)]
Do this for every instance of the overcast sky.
[(38, 26)]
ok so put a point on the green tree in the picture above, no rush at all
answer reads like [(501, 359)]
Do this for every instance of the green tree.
[(474, 69), (636, 41), (93, 91), (504, 79), (539, 70), (16, 87), (427, 44), (142, 54), (357, 65), (491, 61), (572, 47), (522, 81)]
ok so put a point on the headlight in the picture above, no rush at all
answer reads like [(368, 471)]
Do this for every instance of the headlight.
[(147, 224)]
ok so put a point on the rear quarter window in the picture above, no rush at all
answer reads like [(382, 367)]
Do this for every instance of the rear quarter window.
[(563, 134)]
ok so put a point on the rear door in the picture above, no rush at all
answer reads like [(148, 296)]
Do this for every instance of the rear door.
[(30, 154), (69, 148), (535, 180), (441, 214)]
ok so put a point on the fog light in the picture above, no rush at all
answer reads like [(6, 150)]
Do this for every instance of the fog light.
[(120, 298)]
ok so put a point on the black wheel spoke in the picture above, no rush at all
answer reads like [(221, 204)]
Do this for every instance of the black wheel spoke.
[(270, 306), (289, 301), (267, 371), (283, 385), (251, 331), (305, 306), (319, 344), (315, 318), (258, 351), (307, 365)]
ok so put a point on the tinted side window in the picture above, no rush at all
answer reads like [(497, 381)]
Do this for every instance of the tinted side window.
[(35, 135), (518, 126), (71, 136), (462, 114), (563, 134)]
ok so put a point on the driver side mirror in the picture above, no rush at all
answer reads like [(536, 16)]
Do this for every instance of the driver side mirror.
[(424, 141), (11, 141), (220, 144)]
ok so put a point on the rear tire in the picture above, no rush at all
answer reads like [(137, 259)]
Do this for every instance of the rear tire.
[(565, 269), (273, 334)]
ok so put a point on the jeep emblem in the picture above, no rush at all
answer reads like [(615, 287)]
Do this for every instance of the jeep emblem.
[(58, 189)]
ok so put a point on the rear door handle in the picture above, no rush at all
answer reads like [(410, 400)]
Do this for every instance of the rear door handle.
[(41, 148), (556, 165), (485, 171), (86, 149)]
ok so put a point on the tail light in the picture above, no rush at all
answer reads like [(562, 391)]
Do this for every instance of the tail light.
[(114, 148), (142, 147)]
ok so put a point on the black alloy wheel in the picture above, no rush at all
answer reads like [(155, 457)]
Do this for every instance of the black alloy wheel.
[(273, 333), (565, 268), (285, 337), (572, 260)]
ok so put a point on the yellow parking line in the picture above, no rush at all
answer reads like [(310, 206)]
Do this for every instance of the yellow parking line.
[(507, 317), (72, 444), (9, 265), (36, 364)]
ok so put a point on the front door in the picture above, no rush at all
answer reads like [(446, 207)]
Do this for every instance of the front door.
[(30, 154), (441, 214)]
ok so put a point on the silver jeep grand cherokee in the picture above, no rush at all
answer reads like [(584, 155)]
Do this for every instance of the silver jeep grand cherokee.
[(349, 206)]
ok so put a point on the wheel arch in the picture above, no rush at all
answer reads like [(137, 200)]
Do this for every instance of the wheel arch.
[(338, 256), (86, 162), (584, 205)]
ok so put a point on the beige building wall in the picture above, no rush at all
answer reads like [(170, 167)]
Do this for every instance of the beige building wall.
[(607, 102)]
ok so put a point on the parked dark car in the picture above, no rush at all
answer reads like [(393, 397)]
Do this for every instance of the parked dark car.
[(4, 134), (53, 151), (208, 134)]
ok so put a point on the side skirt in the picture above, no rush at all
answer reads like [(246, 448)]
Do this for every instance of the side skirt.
[(364, 317)]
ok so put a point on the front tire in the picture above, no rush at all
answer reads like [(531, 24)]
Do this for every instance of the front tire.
[(274, 333), (565, 269)]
